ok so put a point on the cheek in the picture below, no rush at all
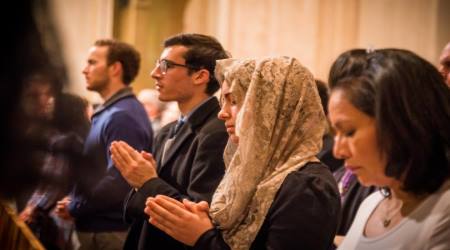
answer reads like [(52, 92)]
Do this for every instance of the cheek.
[(366, 150)]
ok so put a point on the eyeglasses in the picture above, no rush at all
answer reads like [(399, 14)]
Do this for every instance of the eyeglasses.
[(165, 64)]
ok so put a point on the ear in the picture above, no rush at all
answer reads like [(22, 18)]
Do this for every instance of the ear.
[(116, 69), (201, 77)]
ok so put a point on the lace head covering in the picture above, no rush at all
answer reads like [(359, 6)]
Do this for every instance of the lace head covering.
[(280, 127)]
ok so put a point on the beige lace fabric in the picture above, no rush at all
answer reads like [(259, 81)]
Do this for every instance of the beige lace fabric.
[(280, 126)]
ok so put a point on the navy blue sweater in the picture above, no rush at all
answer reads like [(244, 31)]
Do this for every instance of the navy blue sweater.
[(97, 200)]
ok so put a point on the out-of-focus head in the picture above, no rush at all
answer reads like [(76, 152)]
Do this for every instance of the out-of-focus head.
[(32, 46), (38, 96), (323, 93), (149, 99), (399, 109), (71, 114), (444, 64)]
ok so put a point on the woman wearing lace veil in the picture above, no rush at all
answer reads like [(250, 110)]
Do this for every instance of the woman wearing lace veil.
[(275, 193)]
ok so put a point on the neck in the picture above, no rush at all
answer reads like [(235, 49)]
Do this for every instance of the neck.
[(111, 89), (187, 106)]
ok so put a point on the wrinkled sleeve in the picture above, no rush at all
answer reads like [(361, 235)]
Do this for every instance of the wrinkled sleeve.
[(112, 189), (304, 214), (205, 174)]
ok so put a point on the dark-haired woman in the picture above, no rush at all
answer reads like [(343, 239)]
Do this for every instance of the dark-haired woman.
[(392, 130)]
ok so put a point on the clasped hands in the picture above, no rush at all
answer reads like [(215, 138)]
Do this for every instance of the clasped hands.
[(136, 167), (185, 221)]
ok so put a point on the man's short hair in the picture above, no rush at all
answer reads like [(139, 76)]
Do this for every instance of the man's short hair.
[(124, 53), (202, 53)]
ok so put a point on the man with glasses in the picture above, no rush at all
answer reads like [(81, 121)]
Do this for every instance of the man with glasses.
[(187, 160)]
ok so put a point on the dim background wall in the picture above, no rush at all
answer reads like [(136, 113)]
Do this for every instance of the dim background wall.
[(315, 31)]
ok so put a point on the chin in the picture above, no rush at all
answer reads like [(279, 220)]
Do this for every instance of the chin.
[(91, 88), (365, 182), (234, 139)]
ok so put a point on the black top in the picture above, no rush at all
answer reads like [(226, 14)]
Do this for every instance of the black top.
[(303, 215)]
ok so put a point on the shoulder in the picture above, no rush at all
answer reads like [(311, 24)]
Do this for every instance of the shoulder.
[(437, 206), (213, 125), (204, 119), (313, 175), (314, 181), (438, 219)]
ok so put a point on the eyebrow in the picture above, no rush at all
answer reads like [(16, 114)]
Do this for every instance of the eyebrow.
[(340, 123)]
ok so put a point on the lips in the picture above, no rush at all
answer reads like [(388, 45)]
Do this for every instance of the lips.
[(230, 129)]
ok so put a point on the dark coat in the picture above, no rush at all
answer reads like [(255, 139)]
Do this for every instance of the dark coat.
[(193, 169)]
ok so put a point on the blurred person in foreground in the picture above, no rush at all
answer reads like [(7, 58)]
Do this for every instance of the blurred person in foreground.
[(33, 36), (154, 108), (59, 172)]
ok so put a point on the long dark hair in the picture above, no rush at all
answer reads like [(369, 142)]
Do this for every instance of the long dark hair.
[(411, 105)]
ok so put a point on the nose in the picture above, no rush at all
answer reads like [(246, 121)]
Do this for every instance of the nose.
[(156, 72), (84, 70), (223, 114), (340, 148)]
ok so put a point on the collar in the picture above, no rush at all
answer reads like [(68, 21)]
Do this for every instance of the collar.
[(186, 117), (122, 93)]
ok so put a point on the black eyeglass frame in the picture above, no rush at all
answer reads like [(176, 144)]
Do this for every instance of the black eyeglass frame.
[(165, 65)]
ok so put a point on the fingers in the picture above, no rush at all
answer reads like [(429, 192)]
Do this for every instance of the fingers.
[(124, 152), (160, 216), (123, 155), (161, 226), (117, 157), (189, 205), (131, 151), (163, 199), (201, 207)]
